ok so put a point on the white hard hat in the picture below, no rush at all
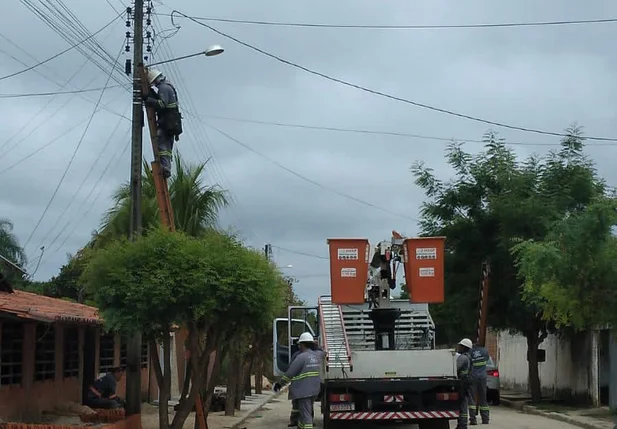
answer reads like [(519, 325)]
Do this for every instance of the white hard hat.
[(466, 342), (306, 338), (152, 75)]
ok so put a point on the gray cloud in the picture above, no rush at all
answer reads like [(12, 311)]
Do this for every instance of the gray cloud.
[(540, 77)]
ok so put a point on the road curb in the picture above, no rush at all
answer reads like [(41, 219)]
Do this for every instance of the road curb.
[(255, 411), (530, 409)]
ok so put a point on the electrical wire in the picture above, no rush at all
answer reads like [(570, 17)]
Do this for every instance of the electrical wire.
[(66, 170), (386, 95), (49, 94), (385, 133), (98, 158), (49, 79), (91, 205), (64, 23), (296, 252), (73, 46), (311, 181), (75, 223), (401, 27)]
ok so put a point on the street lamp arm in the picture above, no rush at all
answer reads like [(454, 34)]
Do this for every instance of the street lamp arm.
[(177, 59), (210, 52)]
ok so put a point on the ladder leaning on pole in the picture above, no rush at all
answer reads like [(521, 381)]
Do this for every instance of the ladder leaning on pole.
[(164, 202)]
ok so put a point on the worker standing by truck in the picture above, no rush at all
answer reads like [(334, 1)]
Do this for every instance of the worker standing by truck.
[(463, 369), (304, 375), (479, 359), (164, 99)]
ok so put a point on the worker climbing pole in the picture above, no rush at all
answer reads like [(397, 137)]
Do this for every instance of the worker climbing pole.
[(162, 195)]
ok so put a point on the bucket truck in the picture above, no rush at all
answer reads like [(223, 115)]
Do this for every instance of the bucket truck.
[(381, 362)]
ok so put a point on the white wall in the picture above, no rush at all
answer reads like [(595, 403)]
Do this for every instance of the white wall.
[(565, 373)]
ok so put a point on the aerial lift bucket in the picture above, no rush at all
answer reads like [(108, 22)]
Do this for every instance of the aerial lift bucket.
[(424, 269), (349, 259)]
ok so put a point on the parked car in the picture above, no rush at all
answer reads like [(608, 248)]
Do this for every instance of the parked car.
[(492, 383)]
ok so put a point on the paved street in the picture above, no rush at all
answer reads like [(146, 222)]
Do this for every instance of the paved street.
[(276, 415)]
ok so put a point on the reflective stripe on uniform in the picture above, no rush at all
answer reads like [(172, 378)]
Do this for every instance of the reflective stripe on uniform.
[(305, 375), (481, 363)]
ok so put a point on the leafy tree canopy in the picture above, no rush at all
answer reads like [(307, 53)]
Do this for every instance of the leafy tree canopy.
[(494, 200), (571, 275)]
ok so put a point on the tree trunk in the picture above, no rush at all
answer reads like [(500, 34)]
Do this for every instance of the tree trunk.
[(259, 376), (160, 380), (187, 380), (532, 359), (248, 391), (165, 389), (232, 384), (241, 370)]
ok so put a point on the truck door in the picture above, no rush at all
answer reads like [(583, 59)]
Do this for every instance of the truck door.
[(310, 317), (284, 338)]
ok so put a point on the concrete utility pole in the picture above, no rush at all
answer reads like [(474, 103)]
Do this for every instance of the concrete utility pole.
[(133, 350)]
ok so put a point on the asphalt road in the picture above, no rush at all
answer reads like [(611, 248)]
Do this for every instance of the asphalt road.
[(276, 416)]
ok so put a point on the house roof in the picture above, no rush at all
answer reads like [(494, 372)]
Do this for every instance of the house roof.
[(28, 305)]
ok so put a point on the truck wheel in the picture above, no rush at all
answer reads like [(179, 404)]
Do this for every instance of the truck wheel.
[(435, 424)]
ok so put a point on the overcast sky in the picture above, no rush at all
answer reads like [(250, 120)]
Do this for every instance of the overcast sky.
[(539, 77)]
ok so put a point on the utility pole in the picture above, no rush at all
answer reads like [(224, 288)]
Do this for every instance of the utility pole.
[(133, 352)]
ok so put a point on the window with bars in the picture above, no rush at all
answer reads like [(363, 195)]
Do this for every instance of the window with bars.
[(144, 354), (45, 353), (123, 353), (71, 352), (106, 353), (11, 353)]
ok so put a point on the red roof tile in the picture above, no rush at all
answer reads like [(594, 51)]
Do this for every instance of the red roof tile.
[(45, 309)]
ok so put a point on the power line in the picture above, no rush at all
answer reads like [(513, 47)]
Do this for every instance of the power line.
[(27, 69), (384, 133), (311, 181), (97, 159), (66, 170), (401, 27), (297, 252), (386, 95), (48, 94)]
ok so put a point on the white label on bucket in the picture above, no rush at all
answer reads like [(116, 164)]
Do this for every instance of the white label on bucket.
[(348, 272), (348, 254), (426, 253), (427, 272)]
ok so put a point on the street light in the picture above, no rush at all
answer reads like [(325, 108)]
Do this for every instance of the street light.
[(212, 51)]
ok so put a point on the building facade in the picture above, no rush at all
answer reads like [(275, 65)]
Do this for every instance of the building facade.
[(51, 350)]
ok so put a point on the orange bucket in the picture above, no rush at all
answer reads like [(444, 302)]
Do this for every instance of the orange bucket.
[(348, 269), (424, 269)]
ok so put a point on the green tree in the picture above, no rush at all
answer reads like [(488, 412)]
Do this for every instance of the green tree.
[(404, 292), (195, 205), (9, 246), (571, 275), (211, 284), (494, 201)]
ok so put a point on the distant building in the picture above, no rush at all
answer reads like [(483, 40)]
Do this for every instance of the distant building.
[(51, 350)]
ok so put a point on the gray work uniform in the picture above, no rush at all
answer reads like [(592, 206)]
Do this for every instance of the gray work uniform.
[(293, 416), (479, 360), (167, 99), (463, 369), (304, 375)]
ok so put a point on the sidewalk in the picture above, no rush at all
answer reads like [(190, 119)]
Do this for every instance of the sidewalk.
[(249, 408), (587, 418)]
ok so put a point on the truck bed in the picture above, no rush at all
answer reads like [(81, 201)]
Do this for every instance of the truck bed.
[(397, 364)]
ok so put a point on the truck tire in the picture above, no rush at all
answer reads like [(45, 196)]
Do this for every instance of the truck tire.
[(435, 424)]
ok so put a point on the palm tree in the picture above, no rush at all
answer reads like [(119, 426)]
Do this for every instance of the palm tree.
[(196, 206), (9, 245)]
